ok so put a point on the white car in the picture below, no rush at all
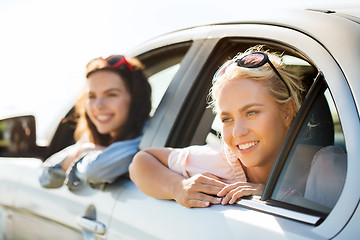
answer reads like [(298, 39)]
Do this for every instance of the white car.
[(180, 65)]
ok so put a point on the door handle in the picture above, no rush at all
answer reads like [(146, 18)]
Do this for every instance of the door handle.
[(91, 225)]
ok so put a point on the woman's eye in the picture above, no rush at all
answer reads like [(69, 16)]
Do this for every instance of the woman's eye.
[(112, 94), (225, 120), (91, 97), (251, 113)]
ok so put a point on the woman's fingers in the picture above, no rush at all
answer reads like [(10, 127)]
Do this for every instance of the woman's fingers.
[(200, 191), (231, 187), (237, 192), (233, 192), (200, 200)]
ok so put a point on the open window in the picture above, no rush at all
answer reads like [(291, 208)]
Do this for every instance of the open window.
[(309, 175), (311, 168), (209, 126), (161, 65)]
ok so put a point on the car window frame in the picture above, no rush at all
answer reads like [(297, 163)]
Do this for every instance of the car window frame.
[(263, 205), (317, 88), (163, 127), (322, 58)]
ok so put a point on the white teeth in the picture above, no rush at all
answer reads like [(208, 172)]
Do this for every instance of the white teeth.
[(103, 117), (247, 145)]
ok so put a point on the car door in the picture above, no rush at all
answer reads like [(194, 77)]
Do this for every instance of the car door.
[(271, 216), (48, 213)]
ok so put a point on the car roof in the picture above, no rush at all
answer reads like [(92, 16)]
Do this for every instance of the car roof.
[(337, 30), (301, 20)]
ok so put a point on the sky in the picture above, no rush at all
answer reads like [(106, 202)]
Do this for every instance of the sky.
[(46, 44)]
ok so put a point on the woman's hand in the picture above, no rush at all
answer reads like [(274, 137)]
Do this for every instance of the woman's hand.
[(231, 193), (199, 191), (150, 172)]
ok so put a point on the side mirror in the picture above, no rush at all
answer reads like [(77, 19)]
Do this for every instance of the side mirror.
[(18, 137)]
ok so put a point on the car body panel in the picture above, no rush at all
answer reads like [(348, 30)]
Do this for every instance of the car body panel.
[(169, 220), (44, 207)]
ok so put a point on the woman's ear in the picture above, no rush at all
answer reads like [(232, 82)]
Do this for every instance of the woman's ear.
[(289, 112)]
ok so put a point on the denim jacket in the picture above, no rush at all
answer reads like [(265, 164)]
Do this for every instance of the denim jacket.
[(95, 168)]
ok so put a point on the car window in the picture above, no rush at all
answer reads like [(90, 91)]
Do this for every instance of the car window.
[(297, 64), (314, 171), (201, 128), (161, 65), (159, 83), (310, 171)]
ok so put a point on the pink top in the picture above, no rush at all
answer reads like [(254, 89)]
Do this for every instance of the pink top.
[(215, 159)]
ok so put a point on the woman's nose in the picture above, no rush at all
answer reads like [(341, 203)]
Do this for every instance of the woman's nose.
[(99, 102), (240, 128)]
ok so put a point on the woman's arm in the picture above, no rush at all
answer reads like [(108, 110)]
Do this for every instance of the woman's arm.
[(106, 166), (81, 150), (149, 171), (51, 173)]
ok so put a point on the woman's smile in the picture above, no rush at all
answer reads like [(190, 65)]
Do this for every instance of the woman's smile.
[(104, 118), (247, 147)]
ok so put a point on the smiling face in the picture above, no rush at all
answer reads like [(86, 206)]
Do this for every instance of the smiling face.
[(254, 125), (108, 102)]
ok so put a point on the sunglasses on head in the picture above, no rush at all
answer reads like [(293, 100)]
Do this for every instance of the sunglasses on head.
[(118, 60), (252, 60)]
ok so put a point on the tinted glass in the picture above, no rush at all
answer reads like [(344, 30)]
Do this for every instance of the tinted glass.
[(161, 65), (314, 172)]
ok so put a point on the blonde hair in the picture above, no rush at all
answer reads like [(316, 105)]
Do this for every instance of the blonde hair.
[(265, 75)]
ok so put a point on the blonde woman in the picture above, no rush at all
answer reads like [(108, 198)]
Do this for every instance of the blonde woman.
[(256, 99)]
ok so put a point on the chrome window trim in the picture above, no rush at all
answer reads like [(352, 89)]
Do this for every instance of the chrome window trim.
[(256, 204)]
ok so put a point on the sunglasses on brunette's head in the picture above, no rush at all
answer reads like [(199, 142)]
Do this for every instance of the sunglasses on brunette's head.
[(113, 61), (252, 60), (118, 60)]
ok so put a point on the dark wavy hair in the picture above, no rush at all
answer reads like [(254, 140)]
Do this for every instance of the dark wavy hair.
[(137, 84)]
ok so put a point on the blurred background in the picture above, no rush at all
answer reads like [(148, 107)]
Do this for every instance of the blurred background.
[(45, 44)]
